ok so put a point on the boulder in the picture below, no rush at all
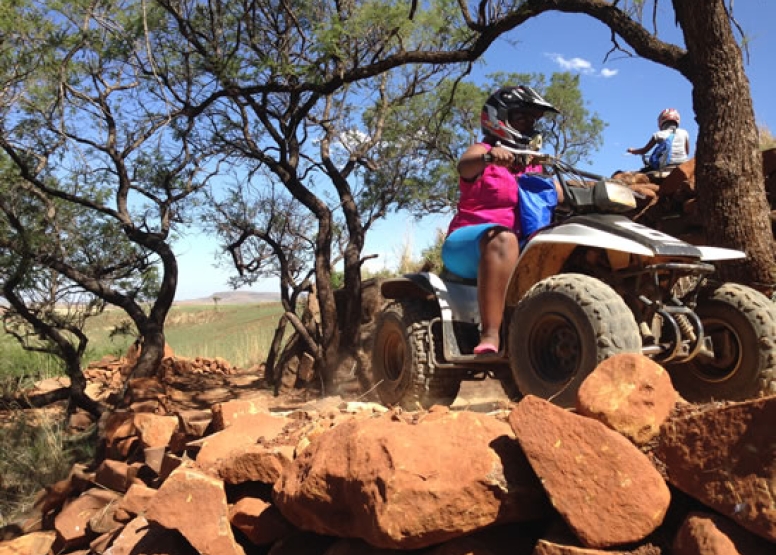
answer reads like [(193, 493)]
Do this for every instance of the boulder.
[(406, 485), (607, 490), (725, 457)]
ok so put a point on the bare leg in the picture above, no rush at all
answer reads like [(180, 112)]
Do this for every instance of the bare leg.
[(499, 252)]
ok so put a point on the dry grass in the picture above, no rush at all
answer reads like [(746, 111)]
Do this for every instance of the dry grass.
[(37, 451)]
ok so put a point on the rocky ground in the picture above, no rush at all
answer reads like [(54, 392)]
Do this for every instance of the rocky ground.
[(206, 461)]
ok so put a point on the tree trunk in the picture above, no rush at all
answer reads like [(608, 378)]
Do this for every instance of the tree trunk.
[(272, 356), (151, 327), (728, 164), (151, 352), (78, 396), (330, 335)]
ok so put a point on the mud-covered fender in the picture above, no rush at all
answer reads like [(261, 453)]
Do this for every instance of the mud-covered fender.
[(456, 301), (409, 286), (537, 262), (547, 251)]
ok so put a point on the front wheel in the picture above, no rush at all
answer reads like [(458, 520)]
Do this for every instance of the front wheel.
[(562, 329), (741, 323), (403, 369)]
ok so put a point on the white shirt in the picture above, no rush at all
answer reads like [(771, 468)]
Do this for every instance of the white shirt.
[(678, 152)]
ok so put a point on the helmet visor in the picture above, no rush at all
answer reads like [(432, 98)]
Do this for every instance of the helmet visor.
[(524, 119)]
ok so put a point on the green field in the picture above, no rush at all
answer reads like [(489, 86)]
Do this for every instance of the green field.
[(240, 334), (37, 454)]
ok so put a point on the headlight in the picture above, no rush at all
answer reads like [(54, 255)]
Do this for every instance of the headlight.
[(613, 197), (620, 194)]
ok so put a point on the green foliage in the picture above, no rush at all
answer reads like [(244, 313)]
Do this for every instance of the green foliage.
[(363, 27), (422, 140), (47, 309), (337, 279), (99, 146)]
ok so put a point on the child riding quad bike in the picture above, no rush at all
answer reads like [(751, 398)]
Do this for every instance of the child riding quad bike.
[(590, 285)]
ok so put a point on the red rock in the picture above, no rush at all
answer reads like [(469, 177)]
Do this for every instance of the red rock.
[(544, 547), (155, 430), (195, 504), (117, 426), (72, 523), (601, 484), (261, 522), (630, 393), (115, 475), (136, 500), (140, 537), (243, 432), (255, 463), (195, 423), (35, 543), (404, 486), (680, 181), (709, 534), (225, 414), (725, 456)]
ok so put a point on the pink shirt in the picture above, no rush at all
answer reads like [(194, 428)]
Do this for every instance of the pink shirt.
[(491, 198)]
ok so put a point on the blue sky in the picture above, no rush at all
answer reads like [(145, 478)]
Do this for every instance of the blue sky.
[(626, 92)]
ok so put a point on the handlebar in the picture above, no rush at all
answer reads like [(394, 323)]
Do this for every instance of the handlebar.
[(544, 159), (578, 193), (533, 155)]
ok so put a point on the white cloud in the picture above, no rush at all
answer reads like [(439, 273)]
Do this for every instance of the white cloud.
[(352, 139), (580, 65), (574, 64)]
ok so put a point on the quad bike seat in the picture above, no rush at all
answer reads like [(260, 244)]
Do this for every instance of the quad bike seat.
[(449, 276)]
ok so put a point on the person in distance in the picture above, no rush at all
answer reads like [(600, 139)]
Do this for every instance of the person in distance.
[(671, 143)]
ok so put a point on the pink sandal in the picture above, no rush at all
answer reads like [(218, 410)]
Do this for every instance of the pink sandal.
[(485, 349)]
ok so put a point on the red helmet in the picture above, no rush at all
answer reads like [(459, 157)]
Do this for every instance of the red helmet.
[(669, 114)]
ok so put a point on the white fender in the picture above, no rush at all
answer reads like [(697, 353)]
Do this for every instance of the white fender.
[(456, 301), (577, 234), (719, 253)]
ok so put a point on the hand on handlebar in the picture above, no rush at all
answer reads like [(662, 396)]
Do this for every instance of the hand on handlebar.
[(505, 156), (500, 156)]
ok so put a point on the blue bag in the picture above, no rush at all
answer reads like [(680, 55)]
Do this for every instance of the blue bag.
[(661, 154), (538, 199)]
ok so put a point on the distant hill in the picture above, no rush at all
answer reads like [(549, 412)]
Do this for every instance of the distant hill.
[(235, 297)]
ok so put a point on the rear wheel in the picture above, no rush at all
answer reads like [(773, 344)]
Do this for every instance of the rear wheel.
[(562, 329), (403, 370), (742, 325)]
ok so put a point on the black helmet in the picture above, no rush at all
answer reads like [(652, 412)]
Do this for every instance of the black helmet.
[(495, 113)]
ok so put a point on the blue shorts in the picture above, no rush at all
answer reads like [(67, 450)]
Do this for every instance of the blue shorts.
[(461, 249)]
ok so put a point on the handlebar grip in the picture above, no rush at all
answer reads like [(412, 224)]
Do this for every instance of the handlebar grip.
[(488, 158)]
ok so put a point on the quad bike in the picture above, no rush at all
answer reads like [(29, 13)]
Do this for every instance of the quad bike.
[(590, 285)]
